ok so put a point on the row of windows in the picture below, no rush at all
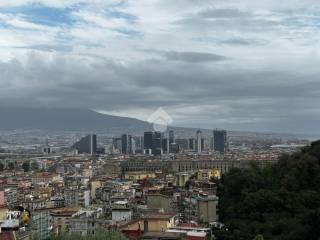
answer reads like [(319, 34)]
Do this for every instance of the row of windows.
[(190, 167)]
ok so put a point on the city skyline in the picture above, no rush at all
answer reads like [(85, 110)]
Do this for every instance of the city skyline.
[(234, 65)]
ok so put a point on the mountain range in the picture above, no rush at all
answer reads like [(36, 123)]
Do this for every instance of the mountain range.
[(59, 119), (85, 120)]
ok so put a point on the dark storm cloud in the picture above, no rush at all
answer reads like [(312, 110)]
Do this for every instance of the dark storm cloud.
[(205, 83), (241, 95)]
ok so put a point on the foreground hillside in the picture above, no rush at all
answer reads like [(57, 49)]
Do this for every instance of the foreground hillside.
[(278, 202)]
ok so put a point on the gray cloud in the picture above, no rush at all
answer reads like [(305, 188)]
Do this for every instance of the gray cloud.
[(237, 98), (243, 41), (192, 57), (223, 13)]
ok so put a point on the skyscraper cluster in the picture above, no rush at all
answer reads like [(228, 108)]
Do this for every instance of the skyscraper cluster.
[(157, 143)]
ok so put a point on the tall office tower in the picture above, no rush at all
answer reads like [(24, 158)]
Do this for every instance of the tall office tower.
[(192, 144), (171, 136), (138, 140), (87, 144), (220, 140), (130, 145), (157, 143), (202, 144), (137, 144), (116, 144), (124, 144), (164, 144), (199, 141), (170, 140), (153, 143), (147, 142), (174, 148), (183, 143), (211, 143)]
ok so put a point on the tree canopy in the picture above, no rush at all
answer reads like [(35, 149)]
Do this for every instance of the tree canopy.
[(281, 201), (26, 166), (11, 165)]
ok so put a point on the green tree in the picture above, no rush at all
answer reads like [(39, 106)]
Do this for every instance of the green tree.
[(259, 237), (26, 166), (11, 165), (35, 166)]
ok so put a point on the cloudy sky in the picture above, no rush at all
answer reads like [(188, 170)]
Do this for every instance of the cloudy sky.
[(242, 65)]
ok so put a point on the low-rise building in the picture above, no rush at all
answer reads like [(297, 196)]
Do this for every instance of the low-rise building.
[(139, 175), (182, 178), (158, 222), (207, 174), (45, 177), (40, 224), (160, 202), (60, 219), (207, 209), (83, 222)]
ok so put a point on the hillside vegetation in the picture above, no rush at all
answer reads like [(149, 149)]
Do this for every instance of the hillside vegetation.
[(279, 202)]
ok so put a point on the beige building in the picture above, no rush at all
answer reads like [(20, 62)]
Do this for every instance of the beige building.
[(3, 208), (207, 209), (135, 176), (182, 178), (3, 212), (94, 185), (151, 223)]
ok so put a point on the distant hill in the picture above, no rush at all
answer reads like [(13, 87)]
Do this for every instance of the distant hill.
[(85, 120), (56, 119)]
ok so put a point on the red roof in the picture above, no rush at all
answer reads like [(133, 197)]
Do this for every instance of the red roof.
[(187, 225), (7, 236)]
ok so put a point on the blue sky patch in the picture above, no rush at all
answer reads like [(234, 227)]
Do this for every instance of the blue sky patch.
[(117, 14), (44, 15)]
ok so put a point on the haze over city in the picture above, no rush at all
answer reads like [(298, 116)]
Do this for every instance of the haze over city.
[(240, 65)]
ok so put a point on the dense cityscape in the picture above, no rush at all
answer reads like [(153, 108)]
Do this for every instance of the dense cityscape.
[(154, 186)]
